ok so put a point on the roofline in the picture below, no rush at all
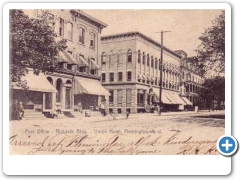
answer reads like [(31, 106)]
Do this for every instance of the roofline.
[(135, 33), (96, 21)]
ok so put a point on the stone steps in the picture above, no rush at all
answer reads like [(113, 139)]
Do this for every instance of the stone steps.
[(33, 115)]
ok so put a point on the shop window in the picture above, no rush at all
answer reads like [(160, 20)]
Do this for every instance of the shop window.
[(128, 97), (119, 111)]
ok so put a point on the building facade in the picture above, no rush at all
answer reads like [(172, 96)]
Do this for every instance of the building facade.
[(131, 68), (191, 80), (77, 83)]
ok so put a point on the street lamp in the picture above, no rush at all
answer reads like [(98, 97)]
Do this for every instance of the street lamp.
[(160, 84)]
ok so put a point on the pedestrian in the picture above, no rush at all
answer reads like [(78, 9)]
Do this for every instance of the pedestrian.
[(127, 114), (15, 112), (21, 110)]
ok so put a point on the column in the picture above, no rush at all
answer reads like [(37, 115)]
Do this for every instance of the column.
[(72, 99), (115, 103), (53, 98), (134, 101), (63, 97), (44, 101), (124, 98)]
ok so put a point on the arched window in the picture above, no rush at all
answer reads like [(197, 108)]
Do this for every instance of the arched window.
[(92, 39), (156, 63), (61, 27), (129, 55), (148, 60), (50, 80), (103, 58), (139, 56), (81, 35), (152, 62), (144, 58), (70, 31), (59, 89)]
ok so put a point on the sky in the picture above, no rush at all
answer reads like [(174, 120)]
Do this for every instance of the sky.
[(185, 25)]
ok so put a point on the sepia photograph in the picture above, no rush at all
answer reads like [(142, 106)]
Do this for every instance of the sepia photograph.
[(116, 81)]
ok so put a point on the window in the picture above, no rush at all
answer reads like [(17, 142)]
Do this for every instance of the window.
[(129, 56), (183, 75), (152, 63), (128, 97), (70, 31), (111, 96), (155, 63), (119, 97), (139, 56), (111, 76), (156, 81), (159, 64), (69, 66), (92, 40), (61, 27), (82, 69), (129, 76), (120, 76), (148, 60), (103, 77), (144, 57), (103, 58), (81, 35)]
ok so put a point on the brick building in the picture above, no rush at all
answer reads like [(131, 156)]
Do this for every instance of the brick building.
[(78, 81), (130, 67)]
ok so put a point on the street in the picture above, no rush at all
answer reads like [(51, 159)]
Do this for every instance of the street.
[(171, 133)]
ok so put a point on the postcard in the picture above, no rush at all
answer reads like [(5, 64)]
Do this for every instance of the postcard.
[(105, 86)]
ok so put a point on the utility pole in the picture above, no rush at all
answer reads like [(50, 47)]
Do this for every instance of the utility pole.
[(161, 69)]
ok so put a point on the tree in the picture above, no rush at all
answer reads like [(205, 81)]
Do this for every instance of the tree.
[(214, 90), (33, 45), (211, 51)]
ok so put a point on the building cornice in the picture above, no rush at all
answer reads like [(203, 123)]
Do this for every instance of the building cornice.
[(135, 33), (81, 14)]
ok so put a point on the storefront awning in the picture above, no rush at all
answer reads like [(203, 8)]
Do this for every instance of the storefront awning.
[(187, 101), (89, 86), (171, 98), (165, 100), (178, 99), (37, 82)]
